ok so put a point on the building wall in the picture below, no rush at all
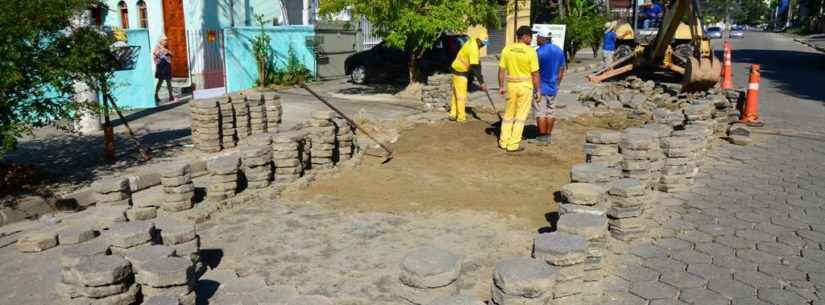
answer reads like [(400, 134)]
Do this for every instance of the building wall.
[(154, 10), (218, 14), (135, 88), (241, 67)]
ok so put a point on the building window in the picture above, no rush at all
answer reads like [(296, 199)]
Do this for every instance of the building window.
[(124, 14), (143, 17)]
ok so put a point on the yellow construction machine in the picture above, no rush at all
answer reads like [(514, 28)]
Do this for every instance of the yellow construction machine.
[(679, 46)]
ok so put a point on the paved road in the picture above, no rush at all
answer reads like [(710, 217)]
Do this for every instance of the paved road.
[(752, 230)]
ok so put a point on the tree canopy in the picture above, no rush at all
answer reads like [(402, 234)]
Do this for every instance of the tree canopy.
[(42, 55), (414, 25)]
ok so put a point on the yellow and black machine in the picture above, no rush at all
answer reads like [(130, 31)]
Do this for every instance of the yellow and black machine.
[(679, 46)]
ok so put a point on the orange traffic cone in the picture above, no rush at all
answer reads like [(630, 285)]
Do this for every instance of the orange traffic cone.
[(727, 68), (750, 113)]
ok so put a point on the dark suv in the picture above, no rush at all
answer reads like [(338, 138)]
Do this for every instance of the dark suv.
[(384, 64)]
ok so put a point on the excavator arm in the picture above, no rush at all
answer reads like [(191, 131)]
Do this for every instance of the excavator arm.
[(700, 70)]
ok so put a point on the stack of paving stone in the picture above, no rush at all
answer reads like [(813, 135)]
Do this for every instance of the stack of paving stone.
[(680, 166), (568, 253), (602, 147), (257, 112), (287, 148), (739, 134), (437, 92), (257, 161), (129, 236), (206, 125), (167, 275), (97, 279), (666, 117), (182, 237), (241, 110), (322, 135), (112, 191), (178, 187), (274, 111), (640, 151), (429, 273), (594, 229), (584, 198), (657, 158), (700, 112), (344, 137), (228, 132), (629, 198), (223, 172), (523, 281), (597, 174)]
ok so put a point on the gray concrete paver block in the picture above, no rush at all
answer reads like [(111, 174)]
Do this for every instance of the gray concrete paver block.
[(755, 235), (653, 290), (37, 241), (664, 264), (702, 296), (560, 249), (102, 270), (648, 251), (784, 272), (625, 298), (780, 297), (429, 267), (683, 280), (526, 277), (130, 234), (692, 257), (709, 272), (735, 242), (714, 249), (165, 272), (757, 279), (731, 289), (673, 244), (757, 256), (635, 273)]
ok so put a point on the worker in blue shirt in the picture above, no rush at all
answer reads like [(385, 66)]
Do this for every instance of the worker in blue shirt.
[(609, 42), (653, 13), (552, 64)]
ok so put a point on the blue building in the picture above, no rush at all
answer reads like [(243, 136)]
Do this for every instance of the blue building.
[(210, 41)]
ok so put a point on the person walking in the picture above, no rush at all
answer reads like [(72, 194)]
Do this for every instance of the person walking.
[(518, 78), (552, 65), (466, 63), (609, 43), (162, 58)]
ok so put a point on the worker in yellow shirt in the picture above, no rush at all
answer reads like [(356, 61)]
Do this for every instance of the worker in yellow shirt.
[(466, 63), (518, 77)]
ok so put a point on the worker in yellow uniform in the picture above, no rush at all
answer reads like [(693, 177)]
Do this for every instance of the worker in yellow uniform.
[(466, 63), (518, 77)]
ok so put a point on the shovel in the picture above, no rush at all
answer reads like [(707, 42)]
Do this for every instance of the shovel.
[(490, 98), (386, 157)]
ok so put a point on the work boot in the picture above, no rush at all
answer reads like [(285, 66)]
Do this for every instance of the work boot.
[(452, 119), (515, 150), (542, 140)]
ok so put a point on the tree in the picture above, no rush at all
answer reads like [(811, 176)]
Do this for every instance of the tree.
[(752, 12), (41, 57), (414, 25), (584, 26)]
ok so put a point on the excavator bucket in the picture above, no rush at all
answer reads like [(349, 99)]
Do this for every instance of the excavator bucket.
[(702, 74)]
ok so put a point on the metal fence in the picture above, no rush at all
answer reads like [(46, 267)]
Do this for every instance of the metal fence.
[(368, 37)]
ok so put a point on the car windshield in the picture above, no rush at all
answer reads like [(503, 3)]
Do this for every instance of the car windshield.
[(714, 29)]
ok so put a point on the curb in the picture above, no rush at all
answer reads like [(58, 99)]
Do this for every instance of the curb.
[(805, 42)]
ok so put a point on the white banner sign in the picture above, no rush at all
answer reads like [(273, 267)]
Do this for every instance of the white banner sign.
[(556, 31)]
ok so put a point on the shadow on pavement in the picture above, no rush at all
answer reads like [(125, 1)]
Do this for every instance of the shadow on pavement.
[(796, 73), (70, 158)]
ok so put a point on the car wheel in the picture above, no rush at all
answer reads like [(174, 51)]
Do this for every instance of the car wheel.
[(359, 75)]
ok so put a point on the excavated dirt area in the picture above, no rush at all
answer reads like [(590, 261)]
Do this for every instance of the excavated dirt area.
[(449, 186), (458, 167)]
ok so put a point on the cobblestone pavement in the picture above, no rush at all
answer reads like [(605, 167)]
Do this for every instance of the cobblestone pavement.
[(752, 229)]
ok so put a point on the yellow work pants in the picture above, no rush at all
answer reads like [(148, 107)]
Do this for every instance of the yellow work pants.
[(459, 100), (519, 98)]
